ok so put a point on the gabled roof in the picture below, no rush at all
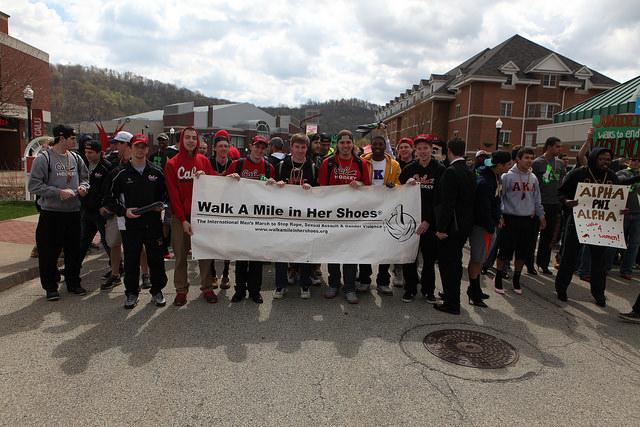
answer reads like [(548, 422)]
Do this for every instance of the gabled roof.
[(618, 100)]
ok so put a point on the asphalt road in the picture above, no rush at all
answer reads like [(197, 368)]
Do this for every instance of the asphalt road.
[(87, 361)]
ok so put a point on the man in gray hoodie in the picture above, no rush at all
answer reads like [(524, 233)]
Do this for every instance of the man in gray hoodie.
[(521, 209), (60, 177)]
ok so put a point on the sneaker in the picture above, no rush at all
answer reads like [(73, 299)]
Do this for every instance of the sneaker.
[(158, 299), (631, 316), (238, 296), (384, 290), (331, 293), (225, 283), (78, 290), (111, 283), (210, 296), (305, 293), (431, 299), (146, 282), (351, 297), (53, 295), (214, 283), (130, 301), (316, 280), (408, 296), (180, 300), (362, 287), (279, 293), (106, 274)]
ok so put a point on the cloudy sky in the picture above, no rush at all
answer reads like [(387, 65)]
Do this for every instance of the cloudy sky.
[(286, 52)]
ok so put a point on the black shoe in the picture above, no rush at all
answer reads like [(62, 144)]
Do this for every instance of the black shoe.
[(78, 290), (446, 309), (53, 295), (562, 295), (532, 271), (257, 298), (601, 302), (477, 302), (484, 296), (431, 299), (111, 283), (408, 296), (107, 274), (130, 301), (632, 316), (238, 296), (545, 271)]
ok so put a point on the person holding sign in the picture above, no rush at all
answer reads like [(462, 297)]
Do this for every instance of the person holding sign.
[(295, 169), (343, 168), (521, 207), (596, 172), (249, 273), (425, 171)]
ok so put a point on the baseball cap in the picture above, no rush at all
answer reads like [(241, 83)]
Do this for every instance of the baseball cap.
[(221, 135), (497, 158), (259, 139), (64, 131), (139, 139), (162, 135), (324, 137), (93, 144), (406, 140), (123, 136), (424, 137), (481, 153)]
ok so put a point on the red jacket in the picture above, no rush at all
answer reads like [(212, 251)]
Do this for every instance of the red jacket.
[(179, 173)]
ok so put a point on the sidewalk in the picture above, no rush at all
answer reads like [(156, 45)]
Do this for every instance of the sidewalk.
[(17, 239)]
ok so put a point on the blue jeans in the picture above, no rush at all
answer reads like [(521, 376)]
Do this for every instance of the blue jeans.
[(632, 233), (348, 273)]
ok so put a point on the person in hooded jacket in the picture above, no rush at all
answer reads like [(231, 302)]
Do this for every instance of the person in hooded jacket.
[(180, 171), (597, 171)]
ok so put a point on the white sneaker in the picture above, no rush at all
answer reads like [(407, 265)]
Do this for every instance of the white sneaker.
[(279, 293), (305, 293)]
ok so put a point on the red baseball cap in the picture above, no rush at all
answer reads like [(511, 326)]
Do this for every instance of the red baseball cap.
[(139, 139), (260, 139), (221, 135), (425, 137), (406, 140)]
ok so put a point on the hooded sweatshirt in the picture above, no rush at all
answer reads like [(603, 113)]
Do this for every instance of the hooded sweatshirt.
[(486, 205), (589, 173), (521, 194), (179, 173)]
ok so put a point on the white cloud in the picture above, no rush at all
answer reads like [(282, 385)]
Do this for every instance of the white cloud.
[(285, 52)]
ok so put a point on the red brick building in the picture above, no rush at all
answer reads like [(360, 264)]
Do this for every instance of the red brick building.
[(520, 82), (20, 65)]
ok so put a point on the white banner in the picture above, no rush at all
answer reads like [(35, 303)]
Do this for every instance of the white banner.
[(248, 220), (597, 216)]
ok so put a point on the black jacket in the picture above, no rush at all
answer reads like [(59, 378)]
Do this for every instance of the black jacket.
[(309, 172), (455, 197), (486, 206), (428, 178), (130, 189), (93, 200)]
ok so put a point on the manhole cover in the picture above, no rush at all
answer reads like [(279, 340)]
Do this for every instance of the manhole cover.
[(470, 348)]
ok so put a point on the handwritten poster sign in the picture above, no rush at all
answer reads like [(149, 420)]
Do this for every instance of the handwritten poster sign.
[(597, 216), (620, 133)]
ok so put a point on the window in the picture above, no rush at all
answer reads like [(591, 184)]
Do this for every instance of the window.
[(529, 139), (549, 80), (238, 142), (509, 81), (505, 135), (505, 108), (547, 111), (457, 114)]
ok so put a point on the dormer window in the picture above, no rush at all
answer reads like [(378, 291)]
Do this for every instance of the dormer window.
[(549, 80)]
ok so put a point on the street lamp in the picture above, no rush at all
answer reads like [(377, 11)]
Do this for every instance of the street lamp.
[(172, 132), (498, 127), (28, 98)]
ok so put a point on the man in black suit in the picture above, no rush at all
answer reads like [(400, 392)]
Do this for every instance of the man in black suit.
[(454, 221)]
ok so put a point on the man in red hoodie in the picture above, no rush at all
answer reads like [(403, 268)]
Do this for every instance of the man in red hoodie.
[(254, 166), (180, 171)]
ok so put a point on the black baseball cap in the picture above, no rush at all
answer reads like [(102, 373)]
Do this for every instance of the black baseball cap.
[(498, 158)]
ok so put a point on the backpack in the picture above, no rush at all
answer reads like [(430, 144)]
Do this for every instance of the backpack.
[(75, 155), (331, 164), (267, 168)]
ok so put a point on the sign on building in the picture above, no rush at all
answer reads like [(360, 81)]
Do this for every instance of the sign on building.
[(620, 133)]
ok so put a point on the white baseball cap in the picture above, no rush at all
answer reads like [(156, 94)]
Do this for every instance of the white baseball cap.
[(123, 136)]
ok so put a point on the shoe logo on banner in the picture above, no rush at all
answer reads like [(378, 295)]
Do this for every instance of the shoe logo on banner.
[(400, 225)]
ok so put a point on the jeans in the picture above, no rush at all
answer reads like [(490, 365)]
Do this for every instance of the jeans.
[(632, 232), (348, 273), (382, 279)]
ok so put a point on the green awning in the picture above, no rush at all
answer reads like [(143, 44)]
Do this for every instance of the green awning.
[(618, 100)]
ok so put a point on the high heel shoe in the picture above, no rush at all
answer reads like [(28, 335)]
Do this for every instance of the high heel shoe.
[(477, 303)]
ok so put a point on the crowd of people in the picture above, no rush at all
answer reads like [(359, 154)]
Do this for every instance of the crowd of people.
[(504, 204)]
